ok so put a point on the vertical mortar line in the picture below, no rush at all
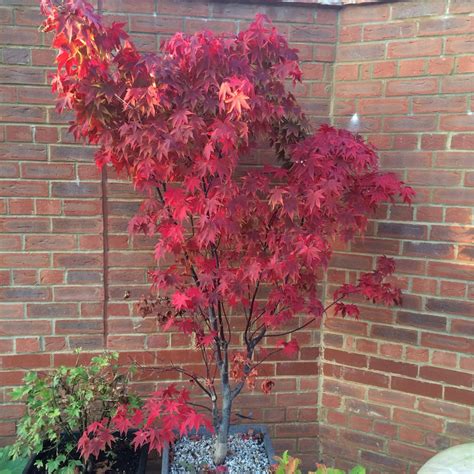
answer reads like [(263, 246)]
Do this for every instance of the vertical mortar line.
[(320, 383), (333, 78), (105, 255), (105, 241)]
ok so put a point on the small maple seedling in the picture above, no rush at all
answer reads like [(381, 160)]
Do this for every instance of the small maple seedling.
[(178, 123)]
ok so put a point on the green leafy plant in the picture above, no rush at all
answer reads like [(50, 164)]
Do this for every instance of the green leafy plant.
[(62, 403), (9, 465), (289, 465), (322, 469)]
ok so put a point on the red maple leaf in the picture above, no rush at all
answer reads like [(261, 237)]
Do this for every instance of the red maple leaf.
[(180, 300), (289, 348)]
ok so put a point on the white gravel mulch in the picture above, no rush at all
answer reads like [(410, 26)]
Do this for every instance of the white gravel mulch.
[(246, 455)]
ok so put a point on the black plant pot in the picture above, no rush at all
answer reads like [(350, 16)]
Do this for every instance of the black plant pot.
[(141, 455), (234, 429)]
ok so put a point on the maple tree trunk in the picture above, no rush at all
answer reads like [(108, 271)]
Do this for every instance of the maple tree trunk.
[(220, 450)]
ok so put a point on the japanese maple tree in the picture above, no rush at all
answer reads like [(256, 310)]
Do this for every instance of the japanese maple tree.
[(178, 124)]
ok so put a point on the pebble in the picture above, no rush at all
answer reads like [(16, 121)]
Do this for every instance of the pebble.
[(246, 456)]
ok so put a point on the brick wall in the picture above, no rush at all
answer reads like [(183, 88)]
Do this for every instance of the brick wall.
[(62, 284), (67, 258), (397, 385)]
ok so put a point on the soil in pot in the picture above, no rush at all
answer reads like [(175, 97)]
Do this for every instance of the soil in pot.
[(122, 460), (247, 455)]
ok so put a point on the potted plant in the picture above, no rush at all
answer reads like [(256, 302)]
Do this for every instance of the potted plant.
[(61, 405), (236, 242)]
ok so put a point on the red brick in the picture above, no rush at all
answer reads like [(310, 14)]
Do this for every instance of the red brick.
[(439, 104), (19, 35), (422, 123), (389, 106), (78, 293), (346, 325), (428, 250), (360, 52), (23, 188), (414, 48), (454, 234), (343, 389), (458, 215), (416, 387), (457, 123), (27, 344), (429, 213), (26, 361), (452, 289), (345, 358), (21, 206), (47, 171), (389, 31), (413, 10), (299, 368), (48, 206), (469, 178), (388, 349), (350, 34), (18, 133), (396, 367), (418, 420), (448, 26), (24, 260), (25, 277), (407, 87), (464, 64), (218, 26), (385, 429), (359, 89), (355, 14), (337, 418), (467, 363), (6, 16), (384, 69), (444, 409), (459, 44), (366, 346), (459, 395), (412, 67), (440, 66), (462, 197), (454, 159), (446, 359), (462, 430), (371, 442), (124, 6), (347, 72), (312, 34), (446, 342), (413, 453), (411, 435), (450, 306), (388, 462), (421, 320), (390, 397), (457, 85), (78, 326)]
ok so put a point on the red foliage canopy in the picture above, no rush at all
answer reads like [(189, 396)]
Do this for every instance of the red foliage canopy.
[(178, 123)]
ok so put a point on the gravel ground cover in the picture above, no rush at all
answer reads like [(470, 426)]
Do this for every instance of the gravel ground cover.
[(247, 455)]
